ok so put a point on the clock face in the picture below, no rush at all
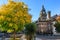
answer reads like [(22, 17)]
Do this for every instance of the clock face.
[(43, 12)]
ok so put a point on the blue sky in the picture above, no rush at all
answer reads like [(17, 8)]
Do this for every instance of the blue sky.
[(35, 6)]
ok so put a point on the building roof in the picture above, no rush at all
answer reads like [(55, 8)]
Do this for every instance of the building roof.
[(54, 16)]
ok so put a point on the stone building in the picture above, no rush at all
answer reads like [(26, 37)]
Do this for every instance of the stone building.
[(44, 22)]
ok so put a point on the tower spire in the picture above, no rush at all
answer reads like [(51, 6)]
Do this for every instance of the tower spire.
[(43, 14), (43, 9)]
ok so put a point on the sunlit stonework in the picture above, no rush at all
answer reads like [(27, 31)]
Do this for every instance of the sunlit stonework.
[(44, 22)]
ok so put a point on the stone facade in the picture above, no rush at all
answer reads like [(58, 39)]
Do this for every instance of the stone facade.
[(44, 22)]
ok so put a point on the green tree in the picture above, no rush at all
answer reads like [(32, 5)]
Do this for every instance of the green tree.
[(30, 30), (57, 25), (13, 17)]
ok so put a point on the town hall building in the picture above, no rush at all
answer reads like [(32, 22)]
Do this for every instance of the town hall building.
[(44, 22)]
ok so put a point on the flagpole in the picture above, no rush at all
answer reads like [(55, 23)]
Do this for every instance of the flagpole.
[(43, 2)]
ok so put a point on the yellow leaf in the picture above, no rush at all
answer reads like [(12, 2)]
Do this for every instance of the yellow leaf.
[(10, 24), (9, 31)]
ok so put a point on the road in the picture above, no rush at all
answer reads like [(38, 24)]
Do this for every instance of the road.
[(41, 37)]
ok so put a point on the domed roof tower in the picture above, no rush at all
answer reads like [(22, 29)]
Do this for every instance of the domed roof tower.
[(43, 14)]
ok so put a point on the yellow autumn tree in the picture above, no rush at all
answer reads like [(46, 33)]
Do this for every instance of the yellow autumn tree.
[(13, 16), (58, 18), (57, 24)]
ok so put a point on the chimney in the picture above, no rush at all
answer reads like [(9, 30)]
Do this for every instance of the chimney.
[(49, 14)]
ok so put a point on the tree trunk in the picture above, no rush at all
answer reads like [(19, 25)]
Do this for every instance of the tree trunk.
[(14, 35), (27, 37), (31, 37)]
